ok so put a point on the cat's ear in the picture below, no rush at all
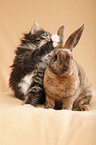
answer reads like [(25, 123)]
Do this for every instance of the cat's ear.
[(35, 28), (60, 32), (74, 38)]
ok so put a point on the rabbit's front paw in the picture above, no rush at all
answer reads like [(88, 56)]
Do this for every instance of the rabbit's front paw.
[(68, 103), (84, 108), (49, 103)]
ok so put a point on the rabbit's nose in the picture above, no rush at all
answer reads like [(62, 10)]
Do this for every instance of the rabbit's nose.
[(59, 52)]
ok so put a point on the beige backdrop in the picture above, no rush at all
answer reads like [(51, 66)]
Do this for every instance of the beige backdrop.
[(17, 17)]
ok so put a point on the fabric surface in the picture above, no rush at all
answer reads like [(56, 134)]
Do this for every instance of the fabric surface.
[(27, 125)]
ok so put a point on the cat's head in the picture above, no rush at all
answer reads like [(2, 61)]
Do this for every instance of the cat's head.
[(38, 37)]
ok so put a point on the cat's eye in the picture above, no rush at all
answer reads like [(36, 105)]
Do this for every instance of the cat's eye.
[(37, 39), (45, 35)]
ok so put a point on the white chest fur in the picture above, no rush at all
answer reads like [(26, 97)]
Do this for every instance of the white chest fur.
[(26, 82)]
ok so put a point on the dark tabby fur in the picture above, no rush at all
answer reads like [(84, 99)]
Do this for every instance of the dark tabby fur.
[(28, 59)]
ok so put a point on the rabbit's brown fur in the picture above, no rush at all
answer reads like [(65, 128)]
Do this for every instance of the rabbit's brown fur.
[(65, 82)]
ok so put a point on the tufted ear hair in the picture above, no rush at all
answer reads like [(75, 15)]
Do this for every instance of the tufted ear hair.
[(35, 28), (60, 32), (74, 38)]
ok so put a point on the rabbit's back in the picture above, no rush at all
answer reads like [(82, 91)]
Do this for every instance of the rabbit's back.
[(85, 90)]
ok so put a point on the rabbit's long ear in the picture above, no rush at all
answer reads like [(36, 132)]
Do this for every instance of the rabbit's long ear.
[(60, 32), (74, 38), (35, 28)]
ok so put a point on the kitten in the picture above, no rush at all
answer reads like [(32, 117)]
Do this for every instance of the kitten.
[(31, 60)]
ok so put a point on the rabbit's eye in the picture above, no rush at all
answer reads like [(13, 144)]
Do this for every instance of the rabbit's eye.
[(55, 57)]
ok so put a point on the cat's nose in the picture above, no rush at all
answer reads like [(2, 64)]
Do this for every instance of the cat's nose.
[(48, 38)]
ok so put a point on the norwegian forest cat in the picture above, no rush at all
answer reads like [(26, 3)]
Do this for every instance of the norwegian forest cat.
[(31, 60)]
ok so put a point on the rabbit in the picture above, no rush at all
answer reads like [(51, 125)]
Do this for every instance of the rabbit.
[(65, 82)]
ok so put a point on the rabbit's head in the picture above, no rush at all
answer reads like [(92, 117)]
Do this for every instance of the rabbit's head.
[(62, 62)]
